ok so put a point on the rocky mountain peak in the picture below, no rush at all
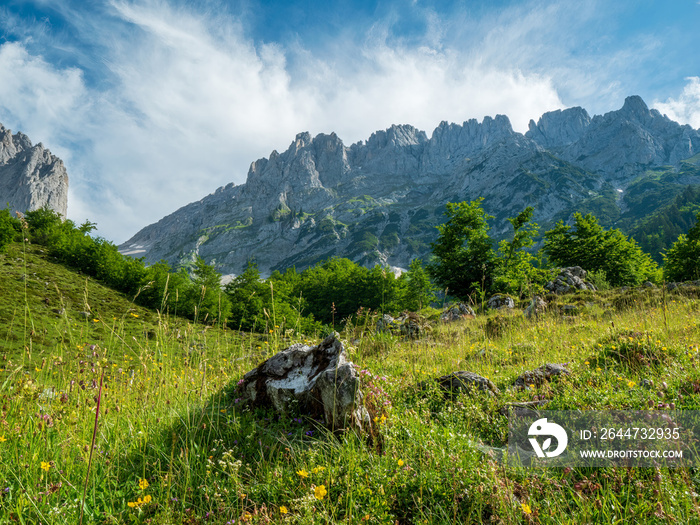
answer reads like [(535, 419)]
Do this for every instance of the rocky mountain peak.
[(30, 176), (559, 128), (396, 137), (635, 108)]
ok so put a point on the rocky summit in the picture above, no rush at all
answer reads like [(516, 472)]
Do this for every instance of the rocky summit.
[(30, 176), (378, 201)]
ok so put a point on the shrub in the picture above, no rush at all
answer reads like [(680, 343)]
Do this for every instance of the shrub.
[(682, 261), (9, 228), (588, 245)]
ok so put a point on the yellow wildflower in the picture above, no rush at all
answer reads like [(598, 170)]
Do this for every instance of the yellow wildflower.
[(2, 438), (302, 473), (45, 466), (316, 470), (143, 484), (400, 463), (631, 384), (320, 492), (283, 510), (526, 508)]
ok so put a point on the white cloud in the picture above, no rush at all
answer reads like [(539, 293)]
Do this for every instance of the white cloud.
[(686, 108), (195, 101), (44, 99)]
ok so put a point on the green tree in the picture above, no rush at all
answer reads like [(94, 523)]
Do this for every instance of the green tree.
[(418, 290), (682, 261), (463, 256), (206, 293), (514, 266), (589, 245), (246, 293)]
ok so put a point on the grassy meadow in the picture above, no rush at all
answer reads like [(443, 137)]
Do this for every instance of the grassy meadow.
[(111, 413)]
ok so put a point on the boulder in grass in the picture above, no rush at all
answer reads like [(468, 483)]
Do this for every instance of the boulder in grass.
[(569, 280), (500, 301), (466, 382), (316, 380), (541, 375), (386, 323), (536, 308), (457, 312)]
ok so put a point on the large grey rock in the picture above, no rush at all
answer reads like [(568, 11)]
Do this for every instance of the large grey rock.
[(30, 176), (318, 380)]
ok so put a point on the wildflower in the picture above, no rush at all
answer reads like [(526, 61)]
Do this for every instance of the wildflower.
[(630, 384), (526, 508), (95, 320), (320, 492), (2, 438), (302, 473), (586, 363), (400, 463), (316, 470), (283, 510), (45, 466), (140, 502), (143, 484)]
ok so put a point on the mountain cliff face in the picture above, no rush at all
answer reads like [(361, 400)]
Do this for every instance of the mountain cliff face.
[(379, 201), (30, 176)]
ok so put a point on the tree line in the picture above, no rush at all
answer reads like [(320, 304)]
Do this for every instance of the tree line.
[(465, 262)]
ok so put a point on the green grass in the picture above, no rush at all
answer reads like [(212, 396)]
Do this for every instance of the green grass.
[(169, 414)]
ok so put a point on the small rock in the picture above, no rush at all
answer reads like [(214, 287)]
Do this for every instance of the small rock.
[(536, 308), (541, 375), (457, 312), (523, 409), (569, 280), (466, 382), (500, 301)]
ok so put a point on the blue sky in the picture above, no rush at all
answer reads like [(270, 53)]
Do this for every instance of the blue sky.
[(155, 103)]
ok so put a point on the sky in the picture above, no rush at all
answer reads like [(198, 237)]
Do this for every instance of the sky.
[(153, 104)]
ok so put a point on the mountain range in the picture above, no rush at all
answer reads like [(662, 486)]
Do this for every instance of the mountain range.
[(378, 201)]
